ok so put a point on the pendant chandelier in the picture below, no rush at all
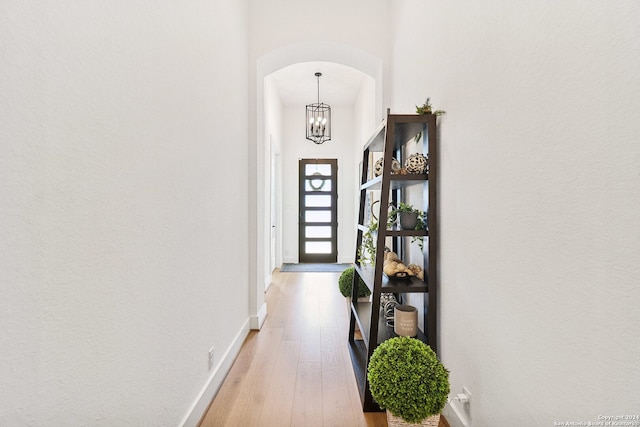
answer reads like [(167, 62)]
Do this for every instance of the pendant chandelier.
[(318, 120)]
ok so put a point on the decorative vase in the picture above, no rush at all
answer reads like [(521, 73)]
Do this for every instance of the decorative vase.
[(393, 421), (408, 220), (405, 321)]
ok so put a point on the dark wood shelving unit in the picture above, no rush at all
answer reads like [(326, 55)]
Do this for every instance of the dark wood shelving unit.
[(389, 139)]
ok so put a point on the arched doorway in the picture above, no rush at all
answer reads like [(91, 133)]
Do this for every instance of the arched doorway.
[(260, 147)]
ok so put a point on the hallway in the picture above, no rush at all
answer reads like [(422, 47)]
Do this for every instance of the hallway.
[(296, 371)]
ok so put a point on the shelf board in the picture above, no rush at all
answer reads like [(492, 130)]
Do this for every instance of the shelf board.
[(396, 231), (406, 233), (397, 181), (413, 285)]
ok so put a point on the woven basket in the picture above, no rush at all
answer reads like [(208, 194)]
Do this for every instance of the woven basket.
[(393, 421)]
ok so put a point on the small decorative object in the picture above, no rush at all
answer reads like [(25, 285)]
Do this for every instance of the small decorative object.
[(394, 268), (395, 166), (416, 164), (417, 271), (405, 320), (406, 377), (387, 305)]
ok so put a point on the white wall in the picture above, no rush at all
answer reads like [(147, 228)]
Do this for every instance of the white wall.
[(540, 191), (296, 147), (124, 207)]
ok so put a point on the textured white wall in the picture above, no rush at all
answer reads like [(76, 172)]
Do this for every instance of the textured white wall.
[(123, 238), (539, 199)]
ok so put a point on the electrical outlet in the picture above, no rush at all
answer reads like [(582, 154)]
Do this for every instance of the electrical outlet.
[(211, 359), (467, 404), (466, 391)]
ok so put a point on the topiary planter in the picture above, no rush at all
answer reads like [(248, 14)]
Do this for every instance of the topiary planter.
[(407, 379), (345, 284)]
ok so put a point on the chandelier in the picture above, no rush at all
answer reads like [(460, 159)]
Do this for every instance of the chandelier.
[(318, 120)]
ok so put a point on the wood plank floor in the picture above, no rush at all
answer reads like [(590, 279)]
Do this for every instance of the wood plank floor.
[(296, 371)]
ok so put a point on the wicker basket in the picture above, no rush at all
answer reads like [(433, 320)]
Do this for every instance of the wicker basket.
[(393, 421)]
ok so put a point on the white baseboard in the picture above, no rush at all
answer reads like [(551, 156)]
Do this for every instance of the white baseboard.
[(258, 320), (197, 410)]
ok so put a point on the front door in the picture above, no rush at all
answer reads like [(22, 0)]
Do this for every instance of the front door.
[(318, 210)]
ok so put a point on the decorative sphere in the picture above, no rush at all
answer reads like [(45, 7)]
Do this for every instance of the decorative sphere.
[(395, 166), (416, 164)]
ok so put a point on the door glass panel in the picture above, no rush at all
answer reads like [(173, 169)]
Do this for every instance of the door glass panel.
[(318, 216), (316, 231), (323, 169), (317, 201), (318, 247)]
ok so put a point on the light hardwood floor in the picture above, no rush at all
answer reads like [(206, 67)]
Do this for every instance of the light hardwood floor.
[(296, 371)]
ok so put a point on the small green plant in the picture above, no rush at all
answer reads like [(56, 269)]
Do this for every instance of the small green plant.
[(367, 248), (427, 108), (406, 377), (345, 284)]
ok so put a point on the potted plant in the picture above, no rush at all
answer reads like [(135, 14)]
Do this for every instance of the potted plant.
[(345, 284), (410, 217), (427, 108), (406, 377)]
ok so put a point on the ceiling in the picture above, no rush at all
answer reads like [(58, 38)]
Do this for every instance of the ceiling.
[(297, 84)]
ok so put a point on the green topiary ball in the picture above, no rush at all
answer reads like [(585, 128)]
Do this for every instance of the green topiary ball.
[(406, 377), (345, 284)]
